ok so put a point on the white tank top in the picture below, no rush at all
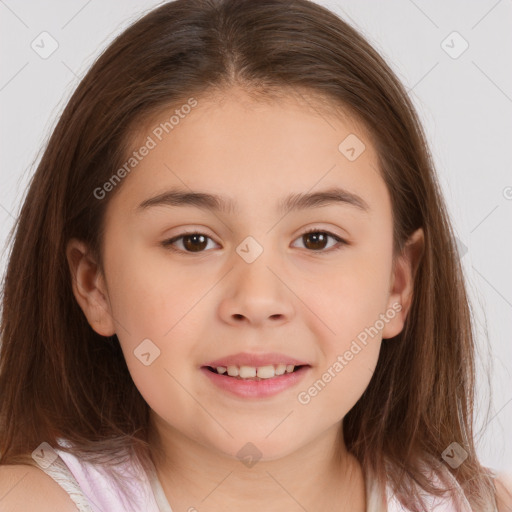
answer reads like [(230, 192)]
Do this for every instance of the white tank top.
[(92, 490)]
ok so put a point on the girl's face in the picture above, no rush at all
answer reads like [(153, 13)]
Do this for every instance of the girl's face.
[(250, 281)]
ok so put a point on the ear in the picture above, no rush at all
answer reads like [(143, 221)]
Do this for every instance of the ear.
[(402, 282), (89, 288)]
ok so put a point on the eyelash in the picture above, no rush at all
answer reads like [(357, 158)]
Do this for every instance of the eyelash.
[(168, 244)]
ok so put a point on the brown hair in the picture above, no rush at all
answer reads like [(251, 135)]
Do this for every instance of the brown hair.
[(59, 378)]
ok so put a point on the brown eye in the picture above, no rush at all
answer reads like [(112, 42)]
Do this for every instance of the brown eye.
[(190, 242), (194, 242), (317, 240)]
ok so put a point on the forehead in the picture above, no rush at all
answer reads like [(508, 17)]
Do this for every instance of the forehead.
[(250, 148)]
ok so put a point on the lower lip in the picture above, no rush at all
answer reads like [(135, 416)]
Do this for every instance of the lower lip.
[(256, 388)]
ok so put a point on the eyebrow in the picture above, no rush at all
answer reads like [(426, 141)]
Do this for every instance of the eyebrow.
[(218, 203)]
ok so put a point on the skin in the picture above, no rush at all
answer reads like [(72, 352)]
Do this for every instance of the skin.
[(292, 299)]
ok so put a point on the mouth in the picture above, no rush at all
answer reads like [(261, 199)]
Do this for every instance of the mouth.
[(254, 382), (254, 373)]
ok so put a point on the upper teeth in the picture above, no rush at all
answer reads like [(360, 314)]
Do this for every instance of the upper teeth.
[(263, 372)]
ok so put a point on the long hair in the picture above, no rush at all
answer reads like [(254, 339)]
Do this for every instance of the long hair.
[(59, 378)]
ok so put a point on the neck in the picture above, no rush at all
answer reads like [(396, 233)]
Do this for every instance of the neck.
[(319, 476)]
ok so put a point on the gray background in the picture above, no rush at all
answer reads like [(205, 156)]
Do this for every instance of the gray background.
[(465, 104)]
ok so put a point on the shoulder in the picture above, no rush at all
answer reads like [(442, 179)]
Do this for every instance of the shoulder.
[(26, 487), (504, 492)]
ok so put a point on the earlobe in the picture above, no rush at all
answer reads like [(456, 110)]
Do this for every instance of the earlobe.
[(402, 282), (89, 288)]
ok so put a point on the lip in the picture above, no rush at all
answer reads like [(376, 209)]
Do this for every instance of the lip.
[(256, 388), (247, 359)]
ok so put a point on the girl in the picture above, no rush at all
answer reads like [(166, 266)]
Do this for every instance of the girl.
[(233, 283)]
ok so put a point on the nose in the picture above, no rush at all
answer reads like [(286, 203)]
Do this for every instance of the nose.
[(256, 295)]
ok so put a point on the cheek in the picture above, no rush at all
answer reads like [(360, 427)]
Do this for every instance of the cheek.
[(151, 295), (339, 383), (156, 310), (348, 296), (351, 304), (356, 317)]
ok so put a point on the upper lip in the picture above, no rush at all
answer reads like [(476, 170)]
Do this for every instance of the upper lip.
[(256, 360)]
